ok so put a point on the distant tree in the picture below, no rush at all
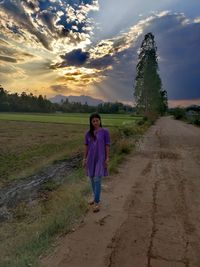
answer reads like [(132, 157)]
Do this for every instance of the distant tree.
[(149, 96), (163, 102), (4, 102)]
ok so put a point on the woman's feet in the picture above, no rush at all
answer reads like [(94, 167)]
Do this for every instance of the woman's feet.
[(96, 207)]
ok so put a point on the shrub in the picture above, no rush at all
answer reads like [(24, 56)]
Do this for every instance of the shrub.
[(179, 113), (197, 122)]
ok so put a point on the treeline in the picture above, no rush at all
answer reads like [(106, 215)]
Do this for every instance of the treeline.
[(24, 102), (30, 103)]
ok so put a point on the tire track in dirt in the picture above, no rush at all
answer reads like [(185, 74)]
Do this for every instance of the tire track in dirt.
[(167, 157), (173, 239), (181, 210)]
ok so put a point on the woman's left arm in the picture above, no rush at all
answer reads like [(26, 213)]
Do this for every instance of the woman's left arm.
[(107, 154)]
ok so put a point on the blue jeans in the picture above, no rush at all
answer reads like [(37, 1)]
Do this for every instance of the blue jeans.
[(96, 187)]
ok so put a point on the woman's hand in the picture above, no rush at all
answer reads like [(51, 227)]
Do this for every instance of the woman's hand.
[(106, 162)]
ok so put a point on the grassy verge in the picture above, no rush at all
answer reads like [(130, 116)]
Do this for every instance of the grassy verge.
[(124, 140), (59, 208), (35, 225)]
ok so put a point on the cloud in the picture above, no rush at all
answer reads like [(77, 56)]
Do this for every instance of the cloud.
[(17, 18), (103, 63), (74, 58), (52, 40), (11, 54), (6, 69), (183, 102), (8, 59), (80, 76), (60, 89), (65, 90), (178, 43), (109, 62), (48, 22)]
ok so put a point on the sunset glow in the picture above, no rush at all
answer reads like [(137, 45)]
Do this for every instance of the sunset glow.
[(84, 47)]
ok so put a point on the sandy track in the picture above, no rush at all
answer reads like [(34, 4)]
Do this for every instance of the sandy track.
[(150, 213)]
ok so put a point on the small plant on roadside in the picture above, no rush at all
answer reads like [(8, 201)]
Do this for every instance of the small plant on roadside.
[(197, 121), (179, 113)]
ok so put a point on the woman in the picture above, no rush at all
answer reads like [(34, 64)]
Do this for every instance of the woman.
[(96, 156)]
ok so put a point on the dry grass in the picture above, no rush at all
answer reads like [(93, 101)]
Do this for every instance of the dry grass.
[(36, 224), (26, 147)]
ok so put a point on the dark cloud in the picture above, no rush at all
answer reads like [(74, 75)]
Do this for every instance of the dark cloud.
[(178, 42), (101, 63), (31, 5), (74, 58), (77, 58), (8, 59)]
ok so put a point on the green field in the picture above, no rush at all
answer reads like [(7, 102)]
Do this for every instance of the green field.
[(70, 118)]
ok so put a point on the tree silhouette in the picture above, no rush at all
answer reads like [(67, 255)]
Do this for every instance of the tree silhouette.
[(150, 99)]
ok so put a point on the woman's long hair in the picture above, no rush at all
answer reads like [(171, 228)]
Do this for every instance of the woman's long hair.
[(92, 116)]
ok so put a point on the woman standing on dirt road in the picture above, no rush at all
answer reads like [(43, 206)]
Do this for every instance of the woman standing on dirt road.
[(96, 156)]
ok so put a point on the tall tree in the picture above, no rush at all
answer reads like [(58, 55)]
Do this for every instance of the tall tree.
[(148, 92)]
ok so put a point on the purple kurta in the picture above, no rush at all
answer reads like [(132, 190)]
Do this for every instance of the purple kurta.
[(97, 153)]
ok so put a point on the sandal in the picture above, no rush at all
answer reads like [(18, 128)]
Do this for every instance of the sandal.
[(96, 208), (91, 202)]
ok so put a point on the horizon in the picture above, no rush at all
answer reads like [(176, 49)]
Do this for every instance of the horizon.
[(61, 47)]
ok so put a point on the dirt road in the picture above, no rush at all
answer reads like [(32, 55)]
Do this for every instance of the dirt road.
[(150, 214)]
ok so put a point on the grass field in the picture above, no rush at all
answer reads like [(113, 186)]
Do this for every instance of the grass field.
[(69, 118)]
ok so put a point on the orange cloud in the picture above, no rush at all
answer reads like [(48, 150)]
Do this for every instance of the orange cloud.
[(183, 102)]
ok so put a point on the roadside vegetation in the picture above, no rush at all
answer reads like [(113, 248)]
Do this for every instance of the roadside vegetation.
[(190, 114), (27, 147)]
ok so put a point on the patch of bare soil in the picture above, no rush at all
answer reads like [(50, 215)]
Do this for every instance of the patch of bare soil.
[(31, 188)]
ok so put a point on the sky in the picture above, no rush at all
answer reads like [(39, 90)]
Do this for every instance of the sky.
[(90, 47)]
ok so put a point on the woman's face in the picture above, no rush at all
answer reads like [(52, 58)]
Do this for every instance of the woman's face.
[(96, 123)]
